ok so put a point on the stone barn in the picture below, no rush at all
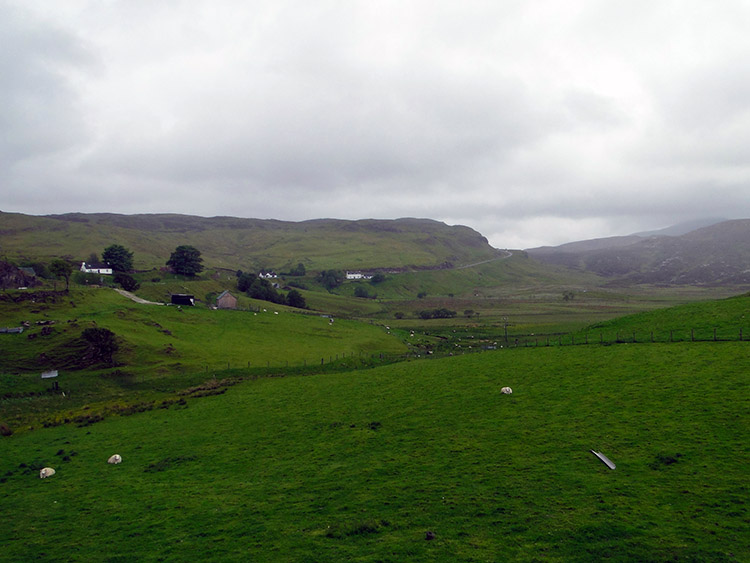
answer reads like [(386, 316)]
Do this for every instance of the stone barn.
[(226, 301)]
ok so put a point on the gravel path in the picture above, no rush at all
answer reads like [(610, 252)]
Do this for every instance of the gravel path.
[(136, 298)]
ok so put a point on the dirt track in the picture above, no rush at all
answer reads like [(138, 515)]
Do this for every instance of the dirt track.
[(135, 297)]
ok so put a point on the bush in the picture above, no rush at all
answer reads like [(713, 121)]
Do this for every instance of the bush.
[(295, 299), (361, 291), (102, 344), (126, 281)]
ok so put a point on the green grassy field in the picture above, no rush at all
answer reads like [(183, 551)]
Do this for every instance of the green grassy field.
[(161, 349), (359, 466)]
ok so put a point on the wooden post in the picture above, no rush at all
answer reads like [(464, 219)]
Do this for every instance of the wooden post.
[(692, 335), (670, 336), (652, 336), (634, 340), (714, 335)]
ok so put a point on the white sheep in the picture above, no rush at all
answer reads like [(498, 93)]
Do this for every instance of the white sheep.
[(117, 458), (46, 472), (506, 390)]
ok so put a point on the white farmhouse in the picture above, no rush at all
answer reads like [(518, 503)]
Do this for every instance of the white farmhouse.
[(95, 269)]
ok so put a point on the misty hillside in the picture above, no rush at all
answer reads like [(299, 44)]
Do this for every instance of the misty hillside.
[(714, 255), (233, 243)]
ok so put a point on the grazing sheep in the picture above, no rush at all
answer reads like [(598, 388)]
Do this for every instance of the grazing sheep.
[(117, 458), (506, 390), (46, 472)]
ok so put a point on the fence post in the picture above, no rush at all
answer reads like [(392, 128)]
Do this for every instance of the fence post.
[(714, 335), (692, 335), (652, 336), (670, 336), (740, 335)]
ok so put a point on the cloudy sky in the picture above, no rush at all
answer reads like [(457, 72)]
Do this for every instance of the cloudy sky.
[(534, 122)]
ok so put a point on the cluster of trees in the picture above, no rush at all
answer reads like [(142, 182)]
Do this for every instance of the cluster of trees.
[(258, 288), (441, 313), (185, 260), (331, 279), (362, 291)]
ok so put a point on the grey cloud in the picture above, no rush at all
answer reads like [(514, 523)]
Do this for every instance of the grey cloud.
[(39, 111), (523, 120)]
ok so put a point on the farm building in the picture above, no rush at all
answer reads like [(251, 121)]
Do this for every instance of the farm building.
[(226, 301), (358, 276), (183, 299), (95, 269)]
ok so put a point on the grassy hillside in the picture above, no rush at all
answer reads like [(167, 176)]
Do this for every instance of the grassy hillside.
[(161, 349), (247, 244), (359, 466), (726, 319)]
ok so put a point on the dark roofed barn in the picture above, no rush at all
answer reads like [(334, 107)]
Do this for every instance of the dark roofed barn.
[(183, 299)]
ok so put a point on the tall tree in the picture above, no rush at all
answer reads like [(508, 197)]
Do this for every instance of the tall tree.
[(61, 269), (295, 299), (186, 260), (331, 279), (119, 258)]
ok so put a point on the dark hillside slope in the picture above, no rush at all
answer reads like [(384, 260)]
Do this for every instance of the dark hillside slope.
[(714, 255), (233, 242)]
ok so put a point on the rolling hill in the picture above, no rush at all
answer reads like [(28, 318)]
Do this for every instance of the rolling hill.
[(247, 244)]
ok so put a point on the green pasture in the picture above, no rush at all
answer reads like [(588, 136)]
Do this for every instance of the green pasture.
[(161, 348), (724, 319), (359, 466)]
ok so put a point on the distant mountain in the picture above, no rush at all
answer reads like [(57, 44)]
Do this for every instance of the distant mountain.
[(248, 244), (715, 255), (681, 228)]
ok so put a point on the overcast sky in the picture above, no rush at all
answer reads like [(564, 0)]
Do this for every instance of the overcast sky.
[(533, 122)]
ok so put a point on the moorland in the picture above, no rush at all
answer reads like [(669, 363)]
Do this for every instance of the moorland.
[(369, 425)]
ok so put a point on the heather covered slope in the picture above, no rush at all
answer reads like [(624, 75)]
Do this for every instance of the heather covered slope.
[(715, 255)]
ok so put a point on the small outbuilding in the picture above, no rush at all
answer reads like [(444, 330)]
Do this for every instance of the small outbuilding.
[(226, 301), (183, 299)]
